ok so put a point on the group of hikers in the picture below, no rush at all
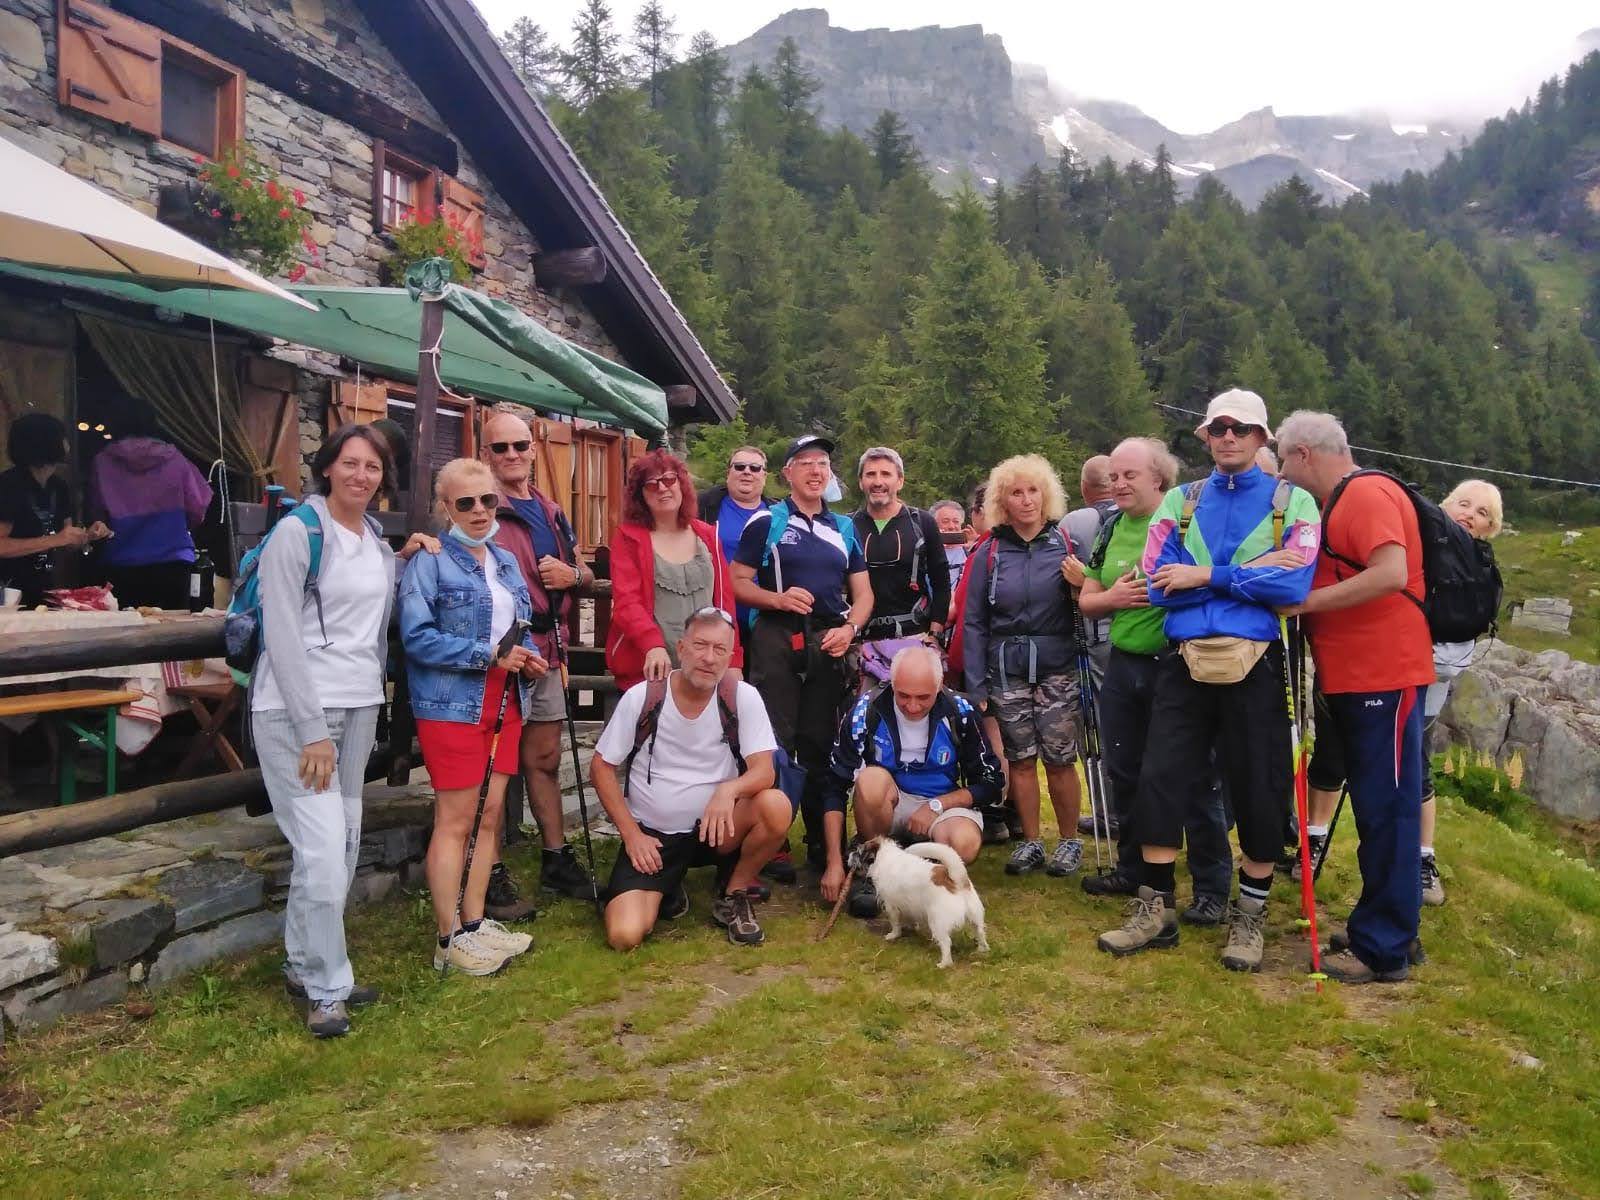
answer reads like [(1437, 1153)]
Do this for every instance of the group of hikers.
[(903, 668)]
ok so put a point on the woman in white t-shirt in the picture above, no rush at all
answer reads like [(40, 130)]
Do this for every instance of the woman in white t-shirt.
[(314, 698)]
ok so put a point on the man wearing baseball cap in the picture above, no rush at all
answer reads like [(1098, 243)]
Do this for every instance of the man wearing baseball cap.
[(799, 566), (1222, 555)]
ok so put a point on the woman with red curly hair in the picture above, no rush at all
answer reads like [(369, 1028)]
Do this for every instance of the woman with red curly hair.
[(665, 565)]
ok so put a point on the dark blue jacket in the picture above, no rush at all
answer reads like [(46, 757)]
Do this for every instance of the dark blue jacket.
[(958, 756)]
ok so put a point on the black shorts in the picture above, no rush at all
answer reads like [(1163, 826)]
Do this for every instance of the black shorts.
[(680, 853)]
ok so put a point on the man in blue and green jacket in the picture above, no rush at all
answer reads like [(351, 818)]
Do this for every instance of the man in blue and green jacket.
[(1222, 555)]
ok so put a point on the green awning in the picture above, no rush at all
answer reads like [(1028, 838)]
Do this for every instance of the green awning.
[(491, 349)]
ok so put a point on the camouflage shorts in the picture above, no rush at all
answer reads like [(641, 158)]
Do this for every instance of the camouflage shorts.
[(1039, 720)]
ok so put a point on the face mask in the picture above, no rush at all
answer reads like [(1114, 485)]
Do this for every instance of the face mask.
[(461, 535)]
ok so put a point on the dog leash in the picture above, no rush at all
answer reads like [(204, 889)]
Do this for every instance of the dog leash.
[(844, 891)]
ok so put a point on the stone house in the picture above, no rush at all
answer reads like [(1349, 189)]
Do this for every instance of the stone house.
[(371, 110)]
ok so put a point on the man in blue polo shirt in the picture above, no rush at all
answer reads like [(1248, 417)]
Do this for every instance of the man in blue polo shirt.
[(729, 507), (798, 565)]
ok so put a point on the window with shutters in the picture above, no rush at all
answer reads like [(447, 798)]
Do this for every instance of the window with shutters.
[(454, 435), (201, 101), (597, 502), (401, 188)]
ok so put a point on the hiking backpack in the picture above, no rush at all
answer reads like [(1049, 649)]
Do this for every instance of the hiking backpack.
[(644, 731), (1055, 532), (241, 626), (778, 523), (1461, 582)]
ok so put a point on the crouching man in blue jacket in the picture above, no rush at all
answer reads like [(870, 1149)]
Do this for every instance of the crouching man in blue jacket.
[(915, 762)]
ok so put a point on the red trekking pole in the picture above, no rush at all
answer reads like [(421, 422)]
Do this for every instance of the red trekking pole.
[(1300, 740)]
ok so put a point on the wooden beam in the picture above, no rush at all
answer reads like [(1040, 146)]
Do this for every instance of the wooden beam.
[(116, 646), (569, 268), (682, 395), (430, 335), (262, 59)]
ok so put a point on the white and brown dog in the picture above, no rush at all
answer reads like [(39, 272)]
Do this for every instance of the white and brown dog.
[(925, 886)]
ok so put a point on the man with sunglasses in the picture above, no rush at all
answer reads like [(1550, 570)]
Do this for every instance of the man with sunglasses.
[(1222, 555), (728, 507), (538, 535), (799, 566)]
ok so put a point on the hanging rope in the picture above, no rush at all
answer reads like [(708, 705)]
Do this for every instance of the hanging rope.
[(220, 466), (430, 279)]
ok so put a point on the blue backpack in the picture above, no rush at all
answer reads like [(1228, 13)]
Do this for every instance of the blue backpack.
[(241, 627), (780, 522)]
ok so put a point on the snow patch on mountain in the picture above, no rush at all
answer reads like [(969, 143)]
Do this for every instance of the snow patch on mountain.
[(1338, 182), (1406, 130), (1343, 137)]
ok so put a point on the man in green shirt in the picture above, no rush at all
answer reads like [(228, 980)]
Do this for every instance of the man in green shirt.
[(1141, 471)]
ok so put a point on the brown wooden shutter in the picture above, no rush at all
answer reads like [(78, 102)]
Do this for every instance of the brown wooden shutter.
[(270, 412), (464, 207), (362, 403), (378, 153), (109, 65), (553, 466)]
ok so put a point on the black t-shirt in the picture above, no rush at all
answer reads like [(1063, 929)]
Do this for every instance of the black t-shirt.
[(32, 511), (889, 554)]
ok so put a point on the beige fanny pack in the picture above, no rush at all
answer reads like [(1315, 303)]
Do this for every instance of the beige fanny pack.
[(1221, 659)]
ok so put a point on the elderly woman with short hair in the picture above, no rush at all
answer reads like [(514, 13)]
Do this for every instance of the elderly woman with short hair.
[(1020, 651), (455, 608)]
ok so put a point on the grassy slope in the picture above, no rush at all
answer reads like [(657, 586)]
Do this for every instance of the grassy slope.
[(1054, 1066), (1560, 274), (1533, 562)]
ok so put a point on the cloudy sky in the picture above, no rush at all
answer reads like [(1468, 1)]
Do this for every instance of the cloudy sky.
[(1194, 66)]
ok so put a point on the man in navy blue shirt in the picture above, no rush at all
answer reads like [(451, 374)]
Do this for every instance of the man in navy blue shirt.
[(729, 507), (807, 581)]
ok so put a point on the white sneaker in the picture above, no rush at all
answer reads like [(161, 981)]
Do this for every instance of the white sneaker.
[(470, 956), (497, 937)]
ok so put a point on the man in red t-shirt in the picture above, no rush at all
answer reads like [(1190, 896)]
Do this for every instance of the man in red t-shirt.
[(1374, 657)]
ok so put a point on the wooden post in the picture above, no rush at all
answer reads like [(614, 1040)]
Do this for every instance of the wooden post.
[(420, 517)]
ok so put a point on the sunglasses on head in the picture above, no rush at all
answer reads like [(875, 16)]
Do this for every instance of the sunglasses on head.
[(489, 500), (521, 447), (1221, 427), (711, 610), (750, 468)]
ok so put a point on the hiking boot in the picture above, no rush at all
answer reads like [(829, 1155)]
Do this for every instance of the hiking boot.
[(1067, 858), (327, 1019), (1345, 967), (1087, 825), (736, 914), (1340, 942), (497, 937), (780, 867), (1247, 922), (1314, 843), (995, 832), (1287, 861), (1148, 925), (675, 905), (1116, 882), (1206, 910), (1432, 886), (863, 898), (1028, 856), (503, 901), (559, 872), (469, 956), (360, 995)]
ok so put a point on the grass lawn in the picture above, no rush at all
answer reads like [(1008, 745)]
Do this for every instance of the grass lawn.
[(854, 1068), (1533, 562)]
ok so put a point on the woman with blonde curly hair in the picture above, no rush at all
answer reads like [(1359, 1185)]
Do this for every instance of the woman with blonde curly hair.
[(1019, 651)]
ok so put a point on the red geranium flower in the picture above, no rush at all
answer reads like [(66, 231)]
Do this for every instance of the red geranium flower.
[(272, 189), (299, 196), (216, 212), (297, 272), (233, 171), (199, 160), (247, 183), (283, 214)]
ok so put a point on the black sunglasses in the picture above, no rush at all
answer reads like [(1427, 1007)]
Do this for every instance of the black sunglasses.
[(490, 501), (1221, 428), (749, 468), (521, 447)]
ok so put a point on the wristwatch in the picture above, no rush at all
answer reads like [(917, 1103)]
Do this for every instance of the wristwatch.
[(937, 805)]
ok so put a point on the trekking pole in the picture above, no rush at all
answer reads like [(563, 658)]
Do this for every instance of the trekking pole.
[(1300, 748), (511, 638), (577, 769), (1327, 842), (1093, 773)]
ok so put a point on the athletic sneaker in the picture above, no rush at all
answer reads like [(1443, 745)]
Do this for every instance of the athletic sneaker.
[(780, 867), (503, 901), (863, 898), (1028, 856), (327, 1019), (469, 955), (675, 905), (1087, 823), (1115, 882), (737, 915), (1345, 967), (1247, 922), (1148, 925), (1067, 858), (498, 937), (560, 872), (1340, 942), (1432, 886), (1206, 910), (360, 995)]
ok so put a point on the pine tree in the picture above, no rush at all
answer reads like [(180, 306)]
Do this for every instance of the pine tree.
[(893, 147), (795, 88), (596, 63), (653, 40), (877, 409), (1093, 364), (976, 365), (535, 59)]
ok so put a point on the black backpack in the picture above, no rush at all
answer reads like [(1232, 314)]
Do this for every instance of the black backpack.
[(1461, 583)]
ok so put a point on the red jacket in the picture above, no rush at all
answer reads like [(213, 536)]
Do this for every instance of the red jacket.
[(634, 631), (955, 651), (516, 539)]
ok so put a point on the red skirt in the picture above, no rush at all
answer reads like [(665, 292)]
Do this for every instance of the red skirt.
[(457, 754)]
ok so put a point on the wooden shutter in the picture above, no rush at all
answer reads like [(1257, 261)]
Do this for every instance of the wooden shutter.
[(270, 412), (109, 65), (362, 403), (553, 466), (464, 206)]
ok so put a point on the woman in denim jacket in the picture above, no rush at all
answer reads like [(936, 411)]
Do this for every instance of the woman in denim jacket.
[(455, 606)]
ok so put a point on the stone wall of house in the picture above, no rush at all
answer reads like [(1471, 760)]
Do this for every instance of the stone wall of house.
[(326, 158)]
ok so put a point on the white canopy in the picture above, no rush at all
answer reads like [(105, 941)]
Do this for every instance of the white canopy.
[(49, 218)]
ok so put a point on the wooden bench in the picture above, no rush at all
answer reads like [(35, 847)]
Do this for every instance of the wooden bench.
[(58, 705)]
